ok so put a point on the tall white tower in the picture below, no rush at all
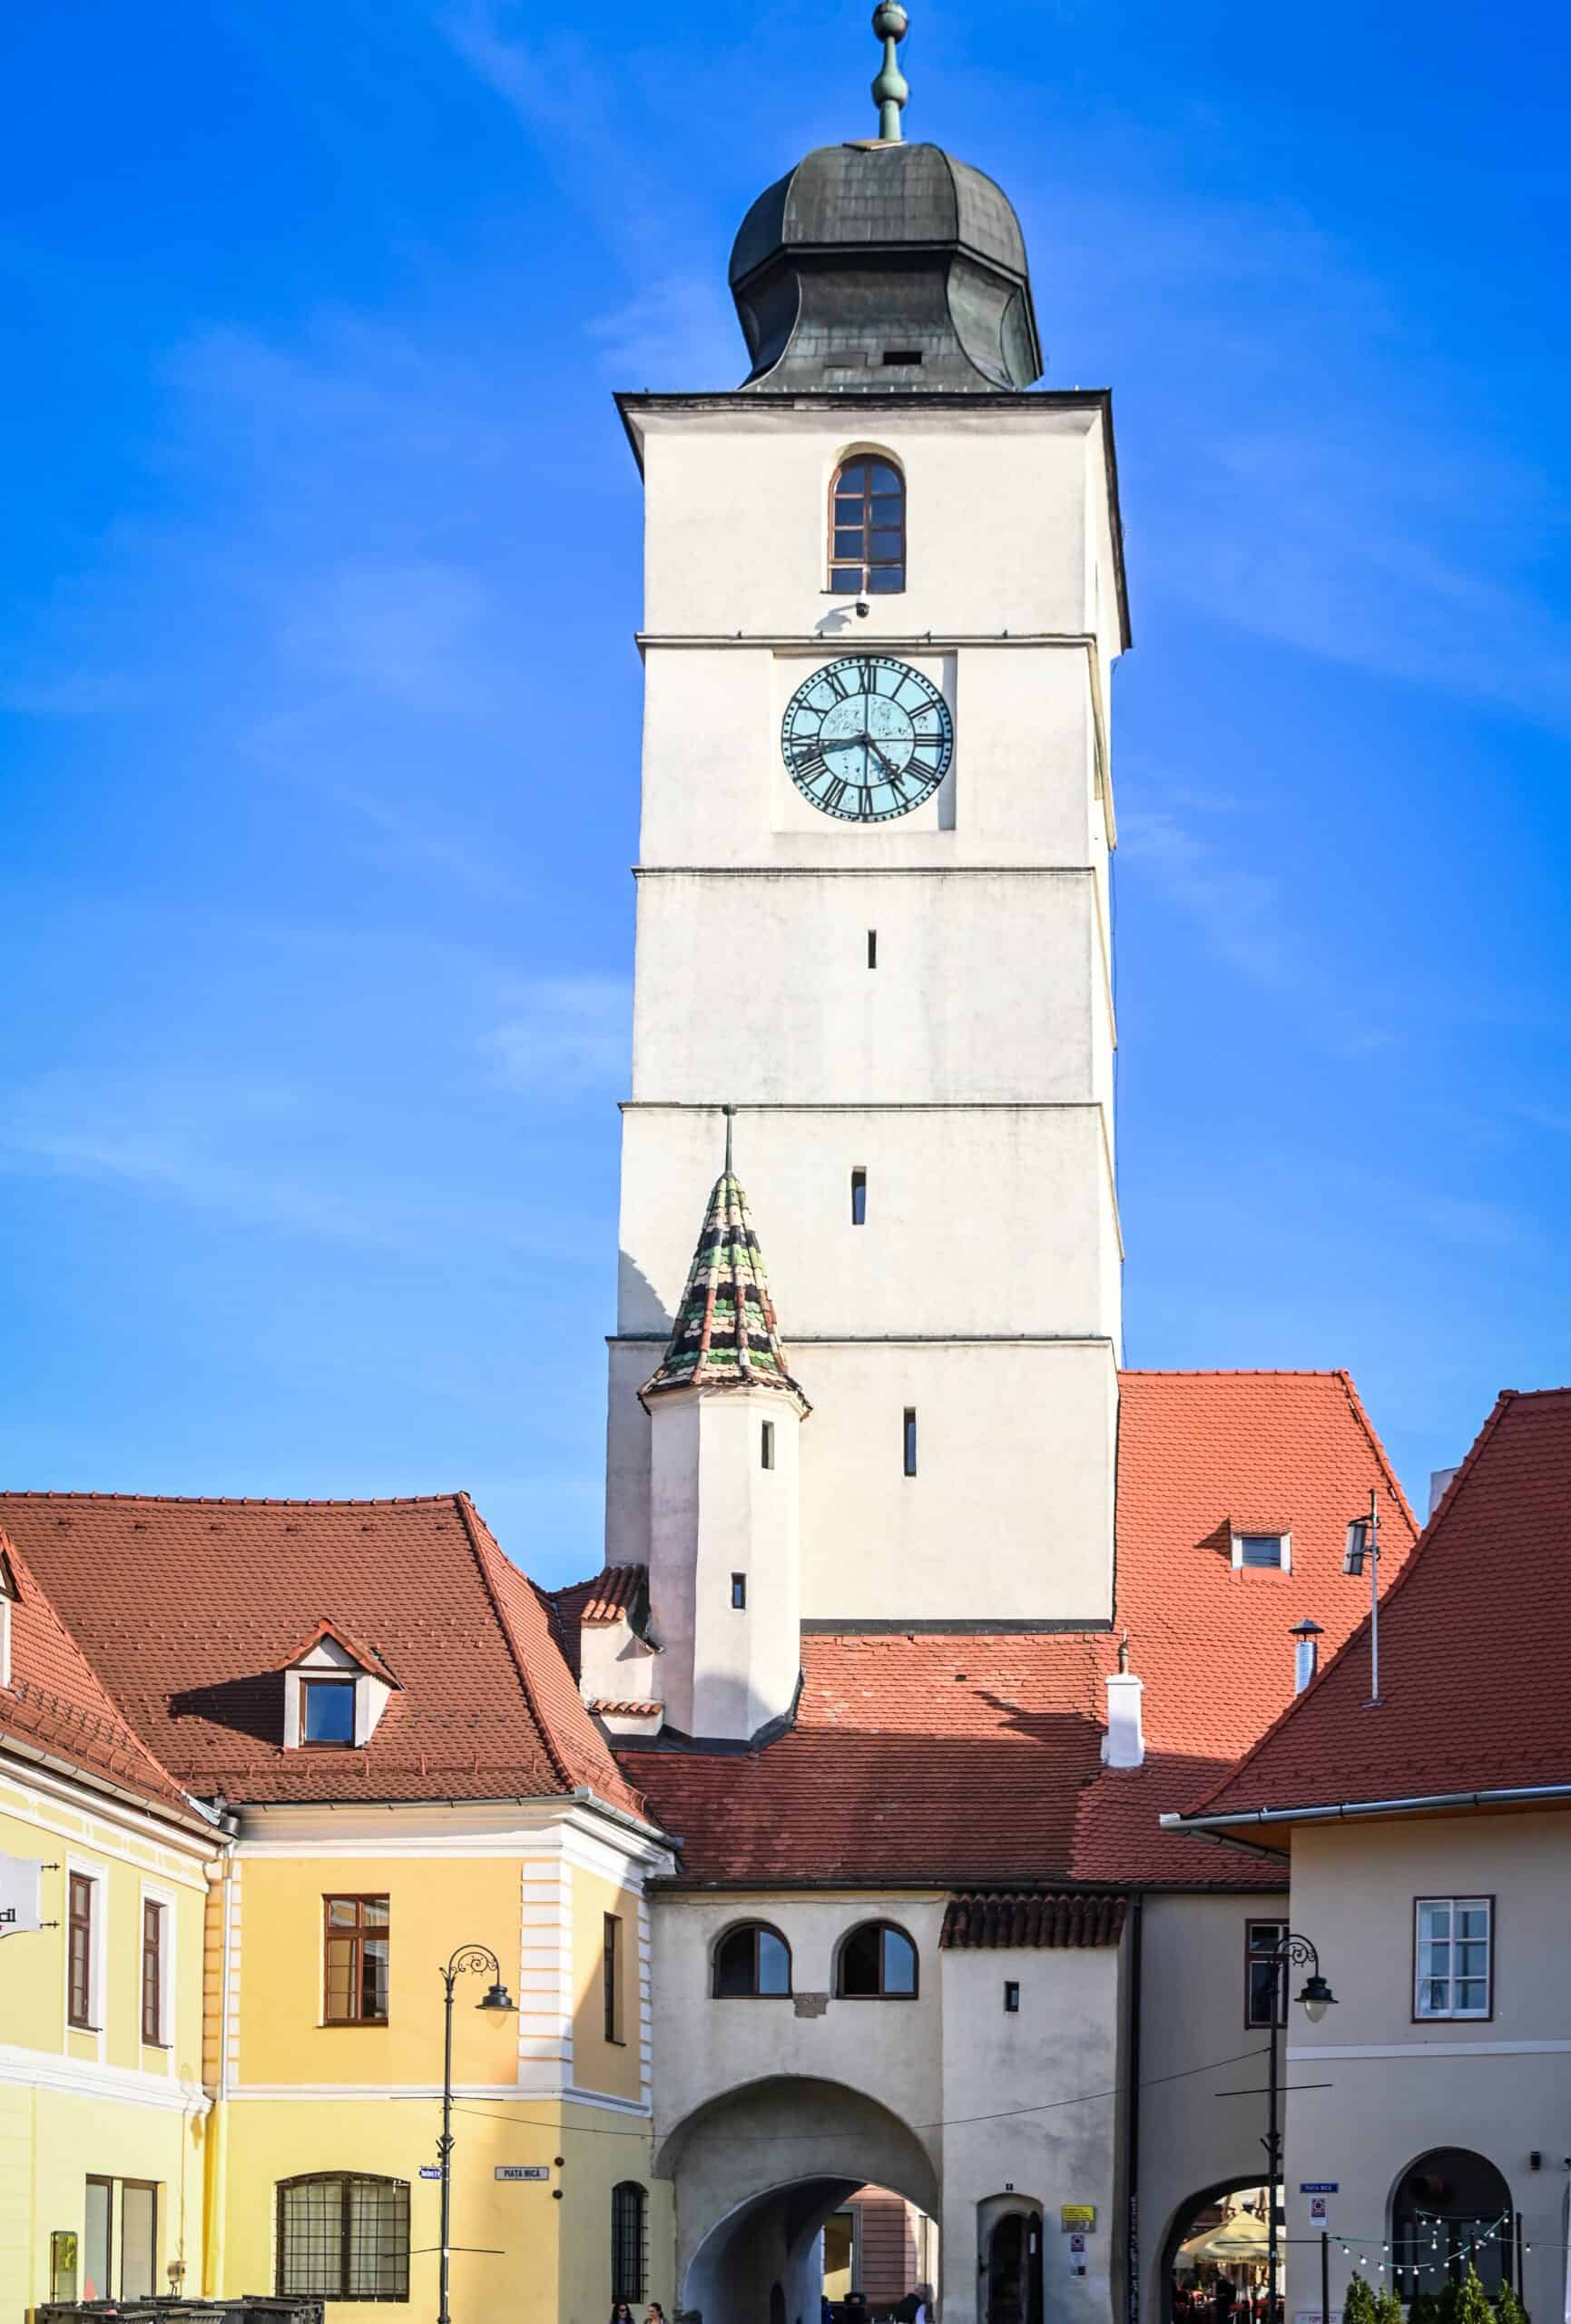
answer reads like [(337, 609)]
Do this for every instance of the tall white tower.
[(883, 592)]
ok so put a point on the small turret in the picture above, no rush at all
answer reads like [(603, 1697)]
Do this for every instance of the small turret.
[(725, 1550)]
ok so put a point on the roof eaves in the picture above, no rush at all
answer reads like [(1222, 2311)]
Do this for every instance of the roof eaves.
[(469, 1517)]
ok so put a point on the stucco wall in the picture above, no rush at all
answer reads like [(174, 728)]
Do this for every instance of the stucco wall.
[(1397, 2088), (1194, 2045)]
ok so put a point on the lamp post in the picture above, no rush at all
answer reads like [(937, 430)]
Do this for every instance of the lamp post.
[(479, 1959), (1317, 1998)]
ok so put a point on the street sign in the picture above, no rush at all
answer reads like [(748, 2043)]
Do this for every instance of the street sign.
[(430, 2170), (1077, 2217), (1319, 2209), (19, 1907), (1319, 2187), (523, 2171)]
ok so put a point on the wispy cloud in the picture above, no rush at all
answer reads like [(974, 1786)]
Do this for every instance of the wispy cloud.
[(1247, 920), (563, 1032), (681, 333)]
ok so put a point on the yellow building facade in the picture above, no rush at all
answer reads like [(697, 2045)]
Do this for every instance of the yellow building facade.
[(305, 2103), (103, 2132)]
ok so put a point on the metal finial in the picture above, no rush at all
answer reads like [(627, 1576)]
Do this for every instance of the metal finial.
[(890, 88), (1123, 1652), (730, 1113)]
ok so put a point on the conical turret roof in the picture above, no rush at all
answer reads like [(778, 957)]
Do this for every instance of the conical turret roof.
[(725, 1334)]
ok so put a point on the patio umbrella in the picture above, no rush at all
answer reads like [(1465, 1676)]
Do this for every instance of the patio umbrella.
[(1241, 2240)]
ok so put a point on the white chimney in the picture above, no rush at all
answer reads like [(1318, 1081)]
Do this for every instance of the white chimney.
[(1440, 1485), (1124, 1745), (1306, 1652)]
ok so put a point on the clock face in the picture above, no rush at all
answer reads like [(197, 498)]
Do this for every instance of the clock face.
[(867, 738)]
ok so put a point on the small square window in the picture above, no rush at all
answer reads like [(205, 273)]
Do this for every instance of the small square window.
[(328, 1713), (739, 1591), (1453, 1957), (1011, 1997), (1263, 1553)]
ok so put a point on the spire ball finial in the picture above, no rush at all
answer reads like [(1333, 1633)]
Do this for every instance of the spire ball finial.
[(730, 1113), (890, 87)]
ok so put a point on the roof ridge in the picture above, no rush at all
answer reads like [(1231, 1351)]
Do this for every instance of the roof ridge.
[(1379, 1450), (230, 1501), (474, 1524), (1232, 1372), (1410, 1565)]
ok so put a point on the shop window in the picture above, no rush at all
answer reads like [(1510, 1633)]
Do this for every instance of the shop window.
[(343, 2235), (629, 2220)]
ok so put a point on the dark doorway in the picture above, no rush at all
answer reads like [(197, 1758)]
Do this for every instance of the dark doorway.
[(1452, 2209), (777, 2304), (1015, 2269)]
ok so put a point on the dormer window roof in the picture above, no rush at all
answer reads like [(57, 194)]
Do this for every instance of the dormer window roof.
[(335, 1693)]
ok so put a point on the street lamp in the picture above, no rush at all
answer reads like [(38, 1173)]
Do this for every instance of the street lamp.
[(478, 1959), (1317, 1998)]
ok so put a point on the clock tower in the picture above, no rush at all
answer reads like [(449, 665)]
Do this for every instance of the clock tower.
[(883, 595)]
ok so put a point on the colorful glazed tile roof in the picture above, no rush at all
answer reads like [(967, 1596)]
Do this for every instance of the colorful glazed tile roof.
[(1475, 1657), (725, 1334), (1040, 1918), (189, 1612), (975, 1760)]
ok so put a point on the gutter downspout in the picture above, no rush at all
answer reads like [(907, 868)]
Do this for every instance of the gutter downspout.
[(1132, 2117), (1419, 1802)]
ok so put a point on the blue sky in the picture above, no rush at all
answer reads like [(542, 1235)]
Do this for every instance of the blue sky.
[(321, 712)]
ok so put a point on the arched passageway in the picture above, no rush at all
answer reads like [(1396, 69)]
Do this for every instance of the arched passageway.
[(1451, 2209), (1214, 2256), (759, 2175)]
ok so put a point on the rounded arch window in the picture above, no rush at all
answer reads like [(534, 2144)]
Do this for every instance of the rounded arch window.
[(752, 1962), (877, 1962), (868, 526), (1451, 2209)]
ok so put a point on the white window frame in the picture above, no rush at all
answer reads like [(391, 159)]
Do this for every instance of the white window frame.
[(85, 1868), (152, 1893), (1283, 1565), (1422, 2015)]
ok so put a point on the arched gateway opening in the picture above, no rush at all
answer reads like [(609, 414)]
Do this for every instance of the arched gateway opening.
[(759, 2175), (1215, 2255)]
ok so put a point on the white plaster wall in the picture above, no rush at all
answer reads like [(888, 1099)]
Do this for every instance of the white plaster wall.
[(980, 1219), (1396, 2087), (996, 516), (1192, 2016), (1008, 1518), (718, 1511), (890, 2051), (988, 986), (716, 788), (1005, 2080)]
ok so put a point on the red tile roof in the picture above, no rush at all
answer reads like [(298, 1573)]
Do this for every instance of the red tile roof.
[(975, 1760), (366, 1656), (1051, 1919), (56, 1704), (1474, 1645), (190, 1609), (613, 1593)]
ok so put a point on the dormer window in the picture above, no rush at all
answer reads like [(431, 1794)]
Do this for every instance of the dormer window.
[(328, 1713), (335, 1692), (1263, 1552)]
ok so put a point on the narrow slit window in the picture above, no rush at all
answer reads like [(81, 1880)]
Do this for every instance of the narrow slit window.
[(739, 1591), (872, 948), (908, 1436), (858, 1198), (766, 1446), (610, 1976), (1011, 1998)]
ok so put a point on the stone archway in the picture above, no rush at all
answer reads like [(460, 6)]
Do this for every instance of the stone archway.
[(759, 2171)]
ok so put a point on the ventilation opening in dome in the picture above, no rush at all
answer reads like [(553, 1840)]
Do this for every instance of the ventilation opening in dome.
[(902, 354)]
